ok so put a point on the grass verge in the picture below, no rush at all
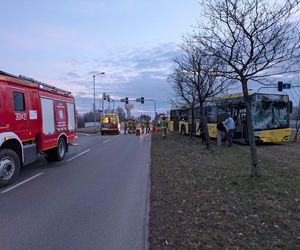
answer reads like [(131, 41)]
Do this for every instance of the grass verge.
[(206, 200)]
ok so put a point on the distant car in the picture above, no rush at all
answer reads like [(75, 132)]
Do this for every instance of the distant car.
[(110, 124)]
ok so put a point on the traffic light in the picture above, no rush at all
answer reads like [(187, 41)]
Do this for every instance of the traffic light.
[(142, 100), (108, 98), (280, 85), (104, 96), (126, 100)]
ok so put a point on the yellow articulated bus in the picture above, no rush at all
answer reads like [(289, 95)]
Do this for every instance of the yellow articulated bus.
[(110, 124), (270, 113)]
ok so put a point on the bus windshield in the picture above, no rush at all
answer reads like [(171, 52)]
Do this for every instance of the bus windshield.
[(270, 115)]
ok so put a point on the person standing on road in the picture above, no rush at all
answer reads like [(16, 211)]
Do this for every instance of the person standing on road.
[(147, 126), (164, 127), (125, 126), (229, 122), (143, 126)]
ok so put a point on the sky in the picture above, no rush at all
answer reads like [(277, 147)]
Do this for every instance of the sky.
[(65, 42)]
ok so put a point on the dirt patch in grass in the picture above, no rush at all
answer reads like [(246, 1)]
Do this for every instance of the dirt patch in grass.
[(206, 200)]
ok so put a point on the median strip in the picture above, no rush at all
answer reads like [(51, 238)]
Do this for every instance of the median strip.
[(84, 152), (21, 183)]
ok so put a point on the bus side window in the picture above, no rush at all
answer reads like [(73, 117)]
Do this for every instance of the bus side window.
[(212, 114)]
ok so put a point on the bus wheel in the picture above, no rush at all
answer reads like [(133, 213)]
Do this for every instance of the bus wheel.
[(182, 131), (9, 166)]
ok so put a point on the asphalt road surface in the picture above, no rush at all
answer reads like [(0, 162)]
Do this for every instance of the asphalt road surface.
[(96, 198)]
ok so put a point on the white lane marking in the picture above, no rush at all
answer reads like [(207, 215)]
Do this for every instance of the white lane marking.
[(84, 152), (106, 141), (21, 183), (85, 134)]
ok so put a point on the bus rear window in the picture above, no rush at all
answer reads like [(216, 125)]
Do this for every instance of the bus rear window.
[(105, 119)]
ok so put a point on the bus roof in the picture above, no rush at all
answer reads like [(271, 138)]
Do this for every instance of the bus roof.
[(238, 96), (110, 114)]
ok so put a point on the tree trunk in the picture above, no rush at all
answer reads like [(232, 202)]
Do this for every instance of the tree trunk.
[(192, 125), (203, 116), (255, 170)]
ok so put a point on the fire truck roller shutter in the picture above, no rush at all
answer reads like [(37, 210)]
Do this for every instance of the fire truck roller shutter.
[(71, 116), (48, 116)]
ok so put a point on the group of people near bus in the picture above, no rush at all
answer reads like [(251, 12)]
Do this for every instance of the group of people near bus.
[(225, 130)]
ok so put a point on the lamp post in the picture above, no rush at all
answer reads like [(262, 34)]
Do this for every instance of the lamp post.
[(94, 76)]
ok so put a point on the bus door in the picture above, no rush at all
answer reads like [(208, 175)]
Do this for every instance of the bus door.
[(239, 117)]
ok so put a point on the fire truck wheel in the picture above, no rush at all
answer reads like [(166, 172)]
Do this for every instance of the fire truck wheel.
[(57, 154), (9, 166), (60, 151), (49, 155)]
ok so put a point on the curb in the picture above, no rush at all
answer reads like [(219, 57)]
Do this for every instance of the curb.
[(147, 219)]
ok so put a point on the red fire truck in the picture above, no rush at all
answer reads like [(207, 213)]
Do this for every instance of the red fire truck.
[(34, 118)]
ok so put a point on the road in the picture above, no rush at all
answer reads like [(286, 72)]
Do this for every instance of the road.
[(96, 198)]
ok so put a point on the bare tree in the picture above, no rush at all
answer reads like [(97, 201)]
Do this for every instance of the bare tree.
[(199, 70), (184, 91), (80, 121), (256, 39), (121, 113)]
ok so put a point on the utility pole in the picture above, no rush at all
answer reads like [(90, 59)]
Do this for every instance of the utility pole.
[(94, 108)]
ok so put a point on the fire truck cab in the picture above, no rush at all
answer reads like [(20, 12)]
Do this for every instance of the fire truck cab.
[(34, 118)]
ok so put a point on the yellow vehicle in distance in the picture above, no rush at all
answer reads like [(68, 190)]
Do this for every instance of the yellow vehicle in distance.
[(110, 124)]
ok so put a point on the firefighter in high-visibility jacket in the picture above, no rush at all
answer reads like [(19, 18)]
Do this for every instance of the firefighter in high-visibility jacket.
[(143, 126), (125, 126), (130, 126), (164, 126), (147, 126)]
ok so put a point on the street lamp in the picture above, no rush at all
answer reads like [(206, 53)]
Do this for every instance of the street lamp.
[(94, 76)]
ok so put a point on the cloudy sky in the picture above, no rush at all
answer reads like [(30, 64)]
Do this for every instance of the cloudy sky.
[(65, 42)]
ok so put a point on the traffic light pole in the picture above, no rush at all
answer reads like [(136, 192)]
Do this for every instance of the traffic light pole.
[(154, 102), (142, 100)]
